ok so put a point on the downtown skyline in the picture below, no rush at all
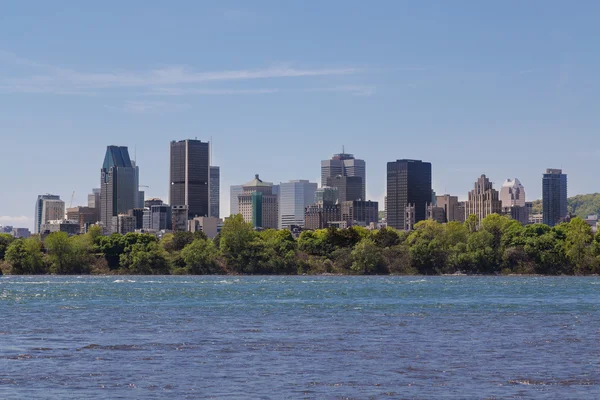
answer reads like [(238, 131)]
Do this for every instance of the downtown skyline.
[(504, 90)]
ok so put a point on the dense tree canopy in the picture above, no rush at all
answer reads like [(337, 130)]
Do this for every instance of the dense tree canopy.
[(495, 245)]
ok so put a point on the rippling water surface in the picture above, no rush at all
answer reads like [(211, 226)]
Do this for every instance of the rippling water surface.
[(299, 337)]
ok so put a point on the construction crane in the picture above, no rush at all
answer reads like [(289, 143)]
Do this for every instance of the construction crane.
[(72, 198)]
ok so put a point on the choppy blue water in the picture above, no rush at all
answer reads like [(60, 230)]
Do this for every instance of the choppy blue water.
[(299, 337)]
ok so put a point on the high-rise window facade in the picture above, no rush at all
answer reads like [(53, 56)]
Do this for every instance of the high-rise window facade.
[(345, 165), (215, 191), (294, 196), (189, 172), (554, 196), (408, 184), (48, 207), (117, 185)]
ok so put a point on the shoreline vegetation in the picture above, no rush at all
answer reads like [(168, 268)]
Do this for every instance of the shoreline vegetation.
[(496, 245)]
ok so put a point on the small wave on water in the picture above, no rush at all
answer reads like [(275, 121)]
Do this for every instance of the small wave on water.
[(124, 281)]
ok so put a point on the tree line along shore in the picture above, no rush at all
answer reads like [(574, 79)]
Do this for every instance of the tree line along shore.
[(492, 246)]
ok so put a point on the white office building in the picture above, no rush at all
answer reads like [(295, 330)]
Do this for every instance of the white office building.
[(294, 197)]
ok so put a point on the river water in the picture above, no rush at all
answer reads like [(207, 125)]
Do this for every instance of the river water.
[(299, 337)]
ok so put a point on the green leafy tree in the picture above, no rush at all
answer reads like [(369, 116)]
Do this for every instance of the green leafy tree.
[(145, 259), (5, 241), (386, 237), (200, 257), (578, 241), (240, 245), (367, 257), (25, 256)]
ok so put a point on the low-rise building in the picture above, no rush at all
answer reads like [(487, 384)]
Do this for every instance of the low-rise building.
[(179, 218), (123, 223), (60, 225), (436, 213), (318, 216), (211, 226), (359, 212)]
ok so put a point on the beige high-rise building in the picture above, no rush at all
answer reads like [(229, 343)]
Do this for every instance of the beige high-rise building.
[(259, 205), (452, 207), (483, 200)]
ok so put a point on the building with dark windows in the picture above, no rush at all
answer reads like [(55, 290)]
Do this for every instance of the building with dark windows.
[(215, 191), (189, 173), (157, 218), (408, 184), (319, 215), (179, 218), (359, 212), (349, 188), (153, 202), (138, 217), (117, 185), (345, 164), (554, 197)]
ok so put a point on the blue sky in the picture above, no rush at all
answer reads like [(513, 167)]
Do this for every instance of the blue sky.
[(504, 88)]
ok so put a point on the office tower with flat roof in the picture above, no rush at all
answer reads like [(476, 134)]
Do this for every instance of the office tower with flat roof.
[(179, 218), (359, 212), (554, 196), (154, 201), (117, 184), (453, 211), (190, 176), (259, 205), (294, 196), (123, 223), (483, 200), (408, 185), (136, 189), (215, 192), (48, 207), (345, 164), (234, 192), (349, 187), (138, 217)]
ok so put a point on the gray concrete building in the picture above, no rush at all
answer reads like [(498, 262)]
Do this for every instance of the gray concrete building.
[(349, 188), (48, 207), (345, 164)]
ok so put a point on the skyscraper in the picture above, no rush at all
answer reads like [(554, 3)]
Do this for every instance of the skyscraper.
[(512, 196), (215, 191), (554, 196), (117, 185), (512, 193), (48, 207), (408, 184), (345, 165), (259, 205), (136, 189), (483, 200), (294, 196), (349, 188), (234, 192), (189, 172)]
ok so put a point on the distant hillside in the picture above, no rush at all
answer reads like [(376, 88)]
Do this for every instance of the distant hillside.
[(581, 205)]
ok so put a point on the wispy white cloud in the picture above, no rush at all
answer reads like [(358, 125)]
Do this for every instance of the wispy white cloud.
[(8, 218), (353, 90), (179, 91), (51, 79), (141, 107)]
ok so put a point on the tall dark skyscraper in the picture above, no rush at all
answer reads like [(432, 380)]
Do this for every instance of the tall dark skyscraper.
[(554, 196), (345, 164), (215, 192), (189, 183), (117, 185), (408, 183)]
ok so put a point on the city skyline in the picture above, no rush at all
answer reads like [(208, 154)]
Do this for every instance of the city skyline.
[(446, 83)]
